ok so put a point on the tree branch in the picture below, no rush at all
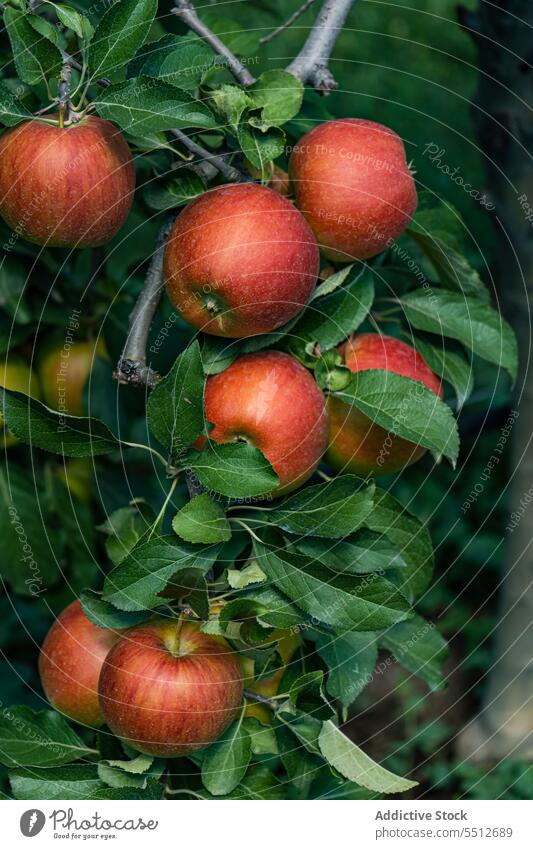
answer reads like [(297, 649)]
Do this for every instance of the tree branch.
[(132, 366), (289, 22), (186, 12), (232, 175), (311, 64)]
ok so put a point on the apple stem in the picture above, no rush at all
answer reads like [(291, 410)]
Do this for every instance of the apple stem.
[(272, 703), (63, 89), (294, 17)]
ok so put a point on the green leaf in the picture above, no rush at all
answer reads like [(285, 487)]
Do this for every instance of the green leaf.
[(419, 647), (344, 603), (331, 319), (131, 773), (36, 58), (359, 554), (354, 764), (411, 538), (406, 408), (351, 659), (278, 95), (143, 106), (301, 766), (125, 527), (181, 61), (439, 232), (226, 761), (37, 739), (333, 509), (238, 579), (103, 614), (73, 20), (449, 365), (267, 604), (217, 354), (202, 520), (331, 283), (41, 427), (229, 103), (153, 790), (175, 408), (29, 561), (262, 737), (175, 192), (78, 781), (261, 148), (156, 570), (235, 469), (477, 325), (119, 34), (12, 111)]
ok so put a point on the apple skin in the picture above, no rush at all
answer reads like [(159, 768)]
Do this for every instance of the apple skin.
[(71, 658), (353, 185), (63, 371), (65, 187), (170, 692), (274, 403), (356, 444), (240, 260), (17, 375)]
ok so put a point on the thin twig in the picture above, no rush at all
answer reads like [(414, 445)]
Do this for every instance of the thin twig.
[(264, 700), (311, 64), (232, 175), (186, 12), (132, 366), (289, 22)]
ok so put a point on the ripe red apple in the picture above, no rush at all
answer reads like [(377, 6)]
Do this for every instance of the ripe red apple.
[(64, 367), (167, 689), (65, 187), (273, 402), (70, 662), (356, 444), (353, 184), (240, 260)]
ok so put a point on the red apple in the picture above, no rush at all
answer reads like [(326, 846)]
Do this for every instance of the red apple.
[(353, 184), (65, 187), (240, 260), (70, 662), (273, 402), (167, 689), (356, 444)]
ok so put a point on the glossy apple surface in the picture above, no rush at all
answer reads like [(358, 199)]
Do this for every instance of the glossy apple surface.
[(240, 260), (353, 185), (65, 187), (170, 691), (271, 401), (356, 444), (70, 662)]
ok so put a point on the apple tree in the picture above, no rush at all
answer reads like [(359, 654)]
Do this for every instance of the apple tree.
[(222, 445)]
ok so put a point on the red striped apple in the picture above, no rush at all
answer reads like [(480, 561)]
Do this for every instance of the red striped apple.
[(168, 689), (240, 260), (70, 663), (356, 444), (65, 187), (273, 402), (353, 184)]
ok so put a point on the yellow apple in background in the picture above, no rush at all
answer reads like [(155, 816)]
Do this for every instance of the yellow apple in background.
[(16, 374)]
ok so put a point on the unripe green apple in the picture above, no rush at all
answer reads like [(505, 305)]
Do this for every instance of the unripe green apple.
[(356, 444), (64, 368), (240, 260), (65, 186), (353, 185), (168, 689), (271, 401)]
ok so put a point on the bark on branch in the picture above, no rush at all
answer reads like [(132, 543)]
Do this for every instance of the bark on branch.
[(132, 367), (186, 12), (311, 64)]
